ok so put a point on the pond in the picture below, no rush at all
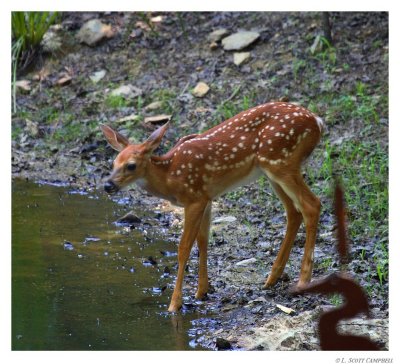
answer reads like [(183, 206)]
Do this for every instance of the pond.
[(81, 282)]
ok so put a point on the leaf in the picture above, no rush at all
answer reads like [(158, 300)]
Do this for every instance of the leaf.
[(285, 309), (157, 119)]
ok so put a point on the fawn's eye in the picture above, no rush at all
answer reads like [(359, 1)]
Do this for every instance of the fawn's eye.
[(131, 166)]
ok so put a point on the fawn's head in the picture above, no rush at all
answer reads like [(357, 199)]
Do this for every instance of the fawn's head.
[(131, 162)]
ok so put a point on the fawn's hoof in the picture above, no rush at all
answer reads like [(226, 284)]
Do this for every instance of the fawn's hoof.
[(201, 296), (269, 282), (174, 307)]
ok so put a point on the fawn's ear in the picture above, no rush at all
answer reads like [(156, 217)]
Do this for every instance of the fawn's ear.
[(155, 138), (115, 139)]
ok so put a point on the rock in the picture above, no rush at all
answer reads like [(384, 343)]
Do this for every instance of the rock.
[(68, 245), (127, 91), (240, 58), (154, 106), (97, 76), (93, 32), (157, 119), (213, 45), (52, 41), (217, 35), (129, 219), (246, 262), (151, 261), (223, 344), (201, 89), (224, 219), (23, 85), (32, 127), (240, 40)]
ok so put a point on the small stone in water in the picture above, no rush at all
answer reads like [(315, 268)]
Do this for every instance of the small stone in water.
[(151, 260), (68, 245), (129, 219)]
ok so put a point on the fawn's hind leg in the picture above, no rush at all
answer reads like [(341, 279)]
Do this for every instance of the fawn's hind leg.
[(294, 220), (305, 202)]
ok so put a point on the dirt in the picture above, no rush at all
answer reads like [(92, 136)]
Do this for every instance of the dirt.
[(173, 56)]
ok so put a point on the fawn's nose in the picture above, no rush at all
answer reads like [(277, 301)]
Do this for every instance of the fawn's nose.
[(110, 187)]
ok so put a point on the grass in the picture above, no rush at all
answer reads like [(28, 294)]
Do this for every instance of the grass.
[(116, 101), (15, 53), (28, 29), (363, 168)]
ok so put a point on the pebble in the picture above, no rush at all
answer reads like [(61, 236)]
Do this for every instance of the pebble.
[(97, 76), (240, 58), (93, 31), (217, 35), (239, 41), (201, 89), (246, 262), (127, 91)]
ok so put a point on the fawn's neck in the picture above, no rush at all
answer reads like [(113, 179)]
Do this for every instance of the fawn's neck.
[(154, 180)]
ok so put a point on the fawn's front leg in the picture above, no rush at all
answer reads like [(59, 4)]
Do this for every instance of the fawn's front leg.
[(202, 243), (193, 216)]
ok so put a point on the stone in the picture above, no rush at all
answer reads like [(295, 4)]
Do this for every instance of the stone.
[(246, 262), (200, 90), (93, 31), (129, 219), (240, 40), (127, 91), (240, 58), (154, 106), (97, 76), (224, 219), (51, 41), (32, 127), (213, 46), (217, 35)]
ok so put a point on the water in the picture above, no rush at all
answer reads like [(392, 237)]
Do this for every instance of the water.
[(79, 282)]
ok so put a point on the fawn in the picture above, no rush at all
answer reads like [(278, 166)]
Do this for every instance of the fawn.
[(273, 138)]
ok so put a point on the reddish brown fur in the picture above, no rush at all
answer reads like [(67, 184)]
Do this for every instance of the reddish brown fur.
[(273, 138)]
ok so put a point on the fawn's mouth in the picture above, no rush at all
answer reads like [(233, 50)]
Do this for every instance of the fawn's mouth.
[(110, 187)]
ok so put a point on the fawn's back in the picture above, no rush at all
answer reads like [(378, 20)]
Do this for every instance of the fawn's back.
[(276, 135)]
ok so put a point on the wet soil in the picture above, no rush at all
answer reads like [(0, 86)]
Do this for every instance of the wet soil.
[(67, 145)]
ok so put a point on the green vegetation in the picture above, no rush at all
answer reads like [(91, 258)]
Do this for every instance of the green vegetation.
[(361, 163), (116, 101), (28, 29)]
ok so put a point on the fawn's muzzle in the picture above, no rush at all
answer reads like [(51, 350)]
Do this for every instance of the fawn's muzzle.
[(110, 187)]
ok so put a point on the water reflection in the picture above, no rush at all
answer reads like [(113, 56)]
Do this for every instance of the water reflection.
[(79, 282)]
